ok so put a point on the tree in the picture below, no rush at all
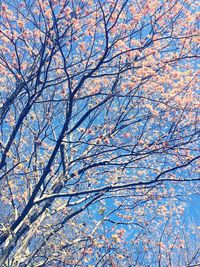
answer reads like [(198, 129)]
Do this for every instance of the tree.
[(99, 132)]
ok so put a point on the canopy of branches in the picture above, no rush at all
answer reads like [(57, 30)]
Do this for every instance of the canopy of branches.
[(99, 132)]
